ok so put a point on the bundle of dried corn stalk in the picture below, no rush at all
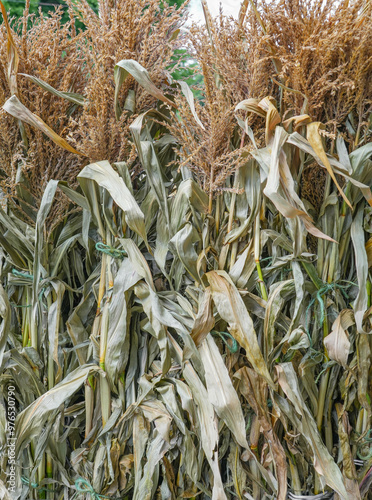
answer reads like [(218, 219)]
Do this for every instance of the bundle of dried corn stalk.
[(185, 289)]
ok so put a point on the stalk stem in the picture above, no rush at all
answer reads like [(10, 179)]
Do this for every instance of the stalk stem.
[(89, 408), (295, 478), (218, 214), (322, 395), (41, 474)]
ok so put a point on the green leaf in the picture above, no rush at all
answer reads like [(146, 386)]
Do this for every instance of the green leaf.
[(182, 245), (151, 165)]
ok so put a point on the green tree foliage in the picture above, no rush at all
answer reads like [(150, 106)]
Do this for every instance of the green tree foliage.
[(16, 7)]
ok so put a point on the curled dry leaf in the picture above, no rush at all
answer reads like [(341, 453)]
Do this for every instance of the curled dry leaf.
[(204, 321), (337, 342), (315, 140), (128, 67), (254, 389)]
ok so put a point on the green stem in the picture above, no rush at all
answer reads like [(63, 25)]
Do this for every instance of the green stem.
[(321, 398), (254, 438), (218, 214), (317, 484), (261, 281), (50, 354), (89, 406), (334, 249), (322, 266), (26, 320), (41, 475), (49, 473), (295, 477), (103, 335)]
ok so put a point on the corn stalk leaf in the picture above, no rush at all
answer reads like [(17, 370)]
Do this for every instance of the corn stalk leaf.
[(208, 427), (151, 165), (315, 140), (138, 261), (186, 91), (54, 319), (221, 392), (204, 320), (254, 389), (232, 309), (69, 96), (106, 177), (280, 187), (130, 67), (337, 342), (15, 108), (361, 265), (31, 420), (304, 421), (349, 470), (182, 245), (357, 159), (156, 450), (118, 339), (189, 195)]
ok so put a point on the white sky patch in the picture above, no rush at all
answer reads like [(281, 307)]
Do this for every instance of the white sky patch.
[(229, 7)]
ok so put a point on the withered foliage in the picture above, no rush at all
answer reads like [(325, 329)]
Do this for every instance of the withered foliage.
[(324, 51), (81, 63), (312, 57), (49, 52), (138, 30)]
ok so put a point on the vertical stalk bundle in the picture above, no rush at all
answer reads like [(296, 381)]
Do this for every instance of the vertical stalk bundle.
[(185, 293)]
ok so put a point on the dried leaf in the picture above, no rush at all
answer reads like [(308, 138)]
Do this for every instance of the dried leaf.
[(204, 320), (128, 67), (221, 392), (315, 140), (30, 422), (69, 96), (232, 309), (323, 462), (15, 108), (337, 342), (105, 176)]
